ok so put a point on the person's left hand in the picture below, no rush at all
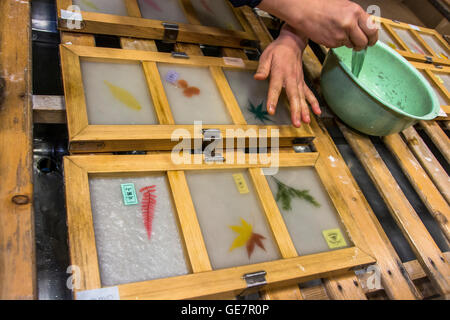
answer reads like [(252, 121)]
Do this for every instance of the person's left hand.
[(282, 59)]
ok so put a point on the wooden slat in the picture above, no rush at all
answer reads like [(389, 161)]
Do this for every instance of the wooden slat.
[(428, 161), (78, 39), (138, 44), (438, 136), (160, 102), (190, 228), (396, 281), (279, 273), (17, 255), (274, 218), (227, 95), (133, 8), (49, 109), (82, 248), (421, 242), (430, 195)]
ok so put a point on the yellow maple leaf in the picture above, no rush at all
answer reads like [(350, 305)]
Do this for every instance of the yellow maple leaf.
[(244, 233), (123, 96)]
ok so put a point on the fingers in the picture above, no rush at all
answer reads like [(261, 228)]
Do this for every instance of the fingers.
[(312, 100), (369, 27), (358, 38), (275, 86), (264, 66), (294, 100)]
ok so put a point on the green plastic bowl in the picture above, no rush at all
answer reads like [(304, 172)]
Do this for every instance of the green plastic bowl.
[(388, 96)]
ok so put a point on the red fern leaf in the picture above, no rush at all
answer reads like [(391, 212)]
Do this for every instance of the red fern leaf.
[(148, 208)]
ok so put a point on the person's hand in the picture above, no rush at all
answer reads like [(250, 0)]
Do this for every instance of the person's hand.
[(332, 23), (282, 59)]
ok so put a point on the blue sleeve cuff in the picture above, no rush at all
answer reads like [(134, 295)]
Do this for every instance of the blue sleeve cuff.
[(250, 3)]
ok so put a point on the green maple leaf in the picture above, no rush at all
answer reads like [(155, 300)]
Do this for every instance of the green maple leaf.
[(259, 113), (285, 194)]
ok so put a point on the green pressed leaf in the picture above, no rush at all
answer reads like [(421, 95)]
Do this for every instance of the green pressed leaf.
[(285, 194), (259, 113)]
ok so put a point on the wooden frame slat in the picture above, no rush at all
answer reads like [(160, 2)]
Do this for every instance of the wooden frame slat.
[(280, 272), (81, 235), (190, 228), (136, 26)]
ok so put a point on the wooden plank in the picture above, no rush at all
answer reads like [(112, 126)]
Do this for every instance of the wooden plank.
[(433, 200), (17, 252), (274, 218), (227, 95), (190, 228), (81, 236), (421, 242), (279, 273), (428, 161), (48, 109), (438, 136)]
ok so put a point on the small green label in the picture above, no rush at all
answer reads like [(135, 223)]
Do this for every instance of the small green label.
[(129, 194), (334, 238)]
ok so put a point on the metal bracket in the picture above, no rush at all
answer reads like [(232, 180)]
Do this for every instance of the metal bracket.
[(429, 59), (255, 281), (302, 149), (396, 21), (211, 135), (170, 32), (181, 55), (214, 157), (438, 66)]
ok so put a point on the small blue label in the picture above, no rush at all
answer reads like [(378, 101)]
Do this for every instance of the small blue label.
[(129, 194), (172, 76)]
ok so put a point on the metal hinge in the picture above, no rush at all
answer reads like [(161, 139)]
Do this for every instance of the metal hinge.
[(396, 21), (214, 157), (170, 32), (180, 55), (302, 149), (211, 134), (429, 59), (255, 281)]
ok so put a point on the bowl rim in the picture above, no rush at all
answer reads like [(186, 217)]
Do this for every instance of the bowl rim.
[(435, 101)]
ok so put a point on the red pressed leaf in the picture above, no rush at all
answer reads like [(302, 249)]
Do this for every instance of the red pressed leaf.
[(255, 239), (148, 208), (153, 4), (191, 91), (206, 6)]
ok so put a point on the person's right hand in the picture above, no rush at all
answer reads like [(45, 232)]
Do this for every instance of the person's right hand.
[(332, 23)]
